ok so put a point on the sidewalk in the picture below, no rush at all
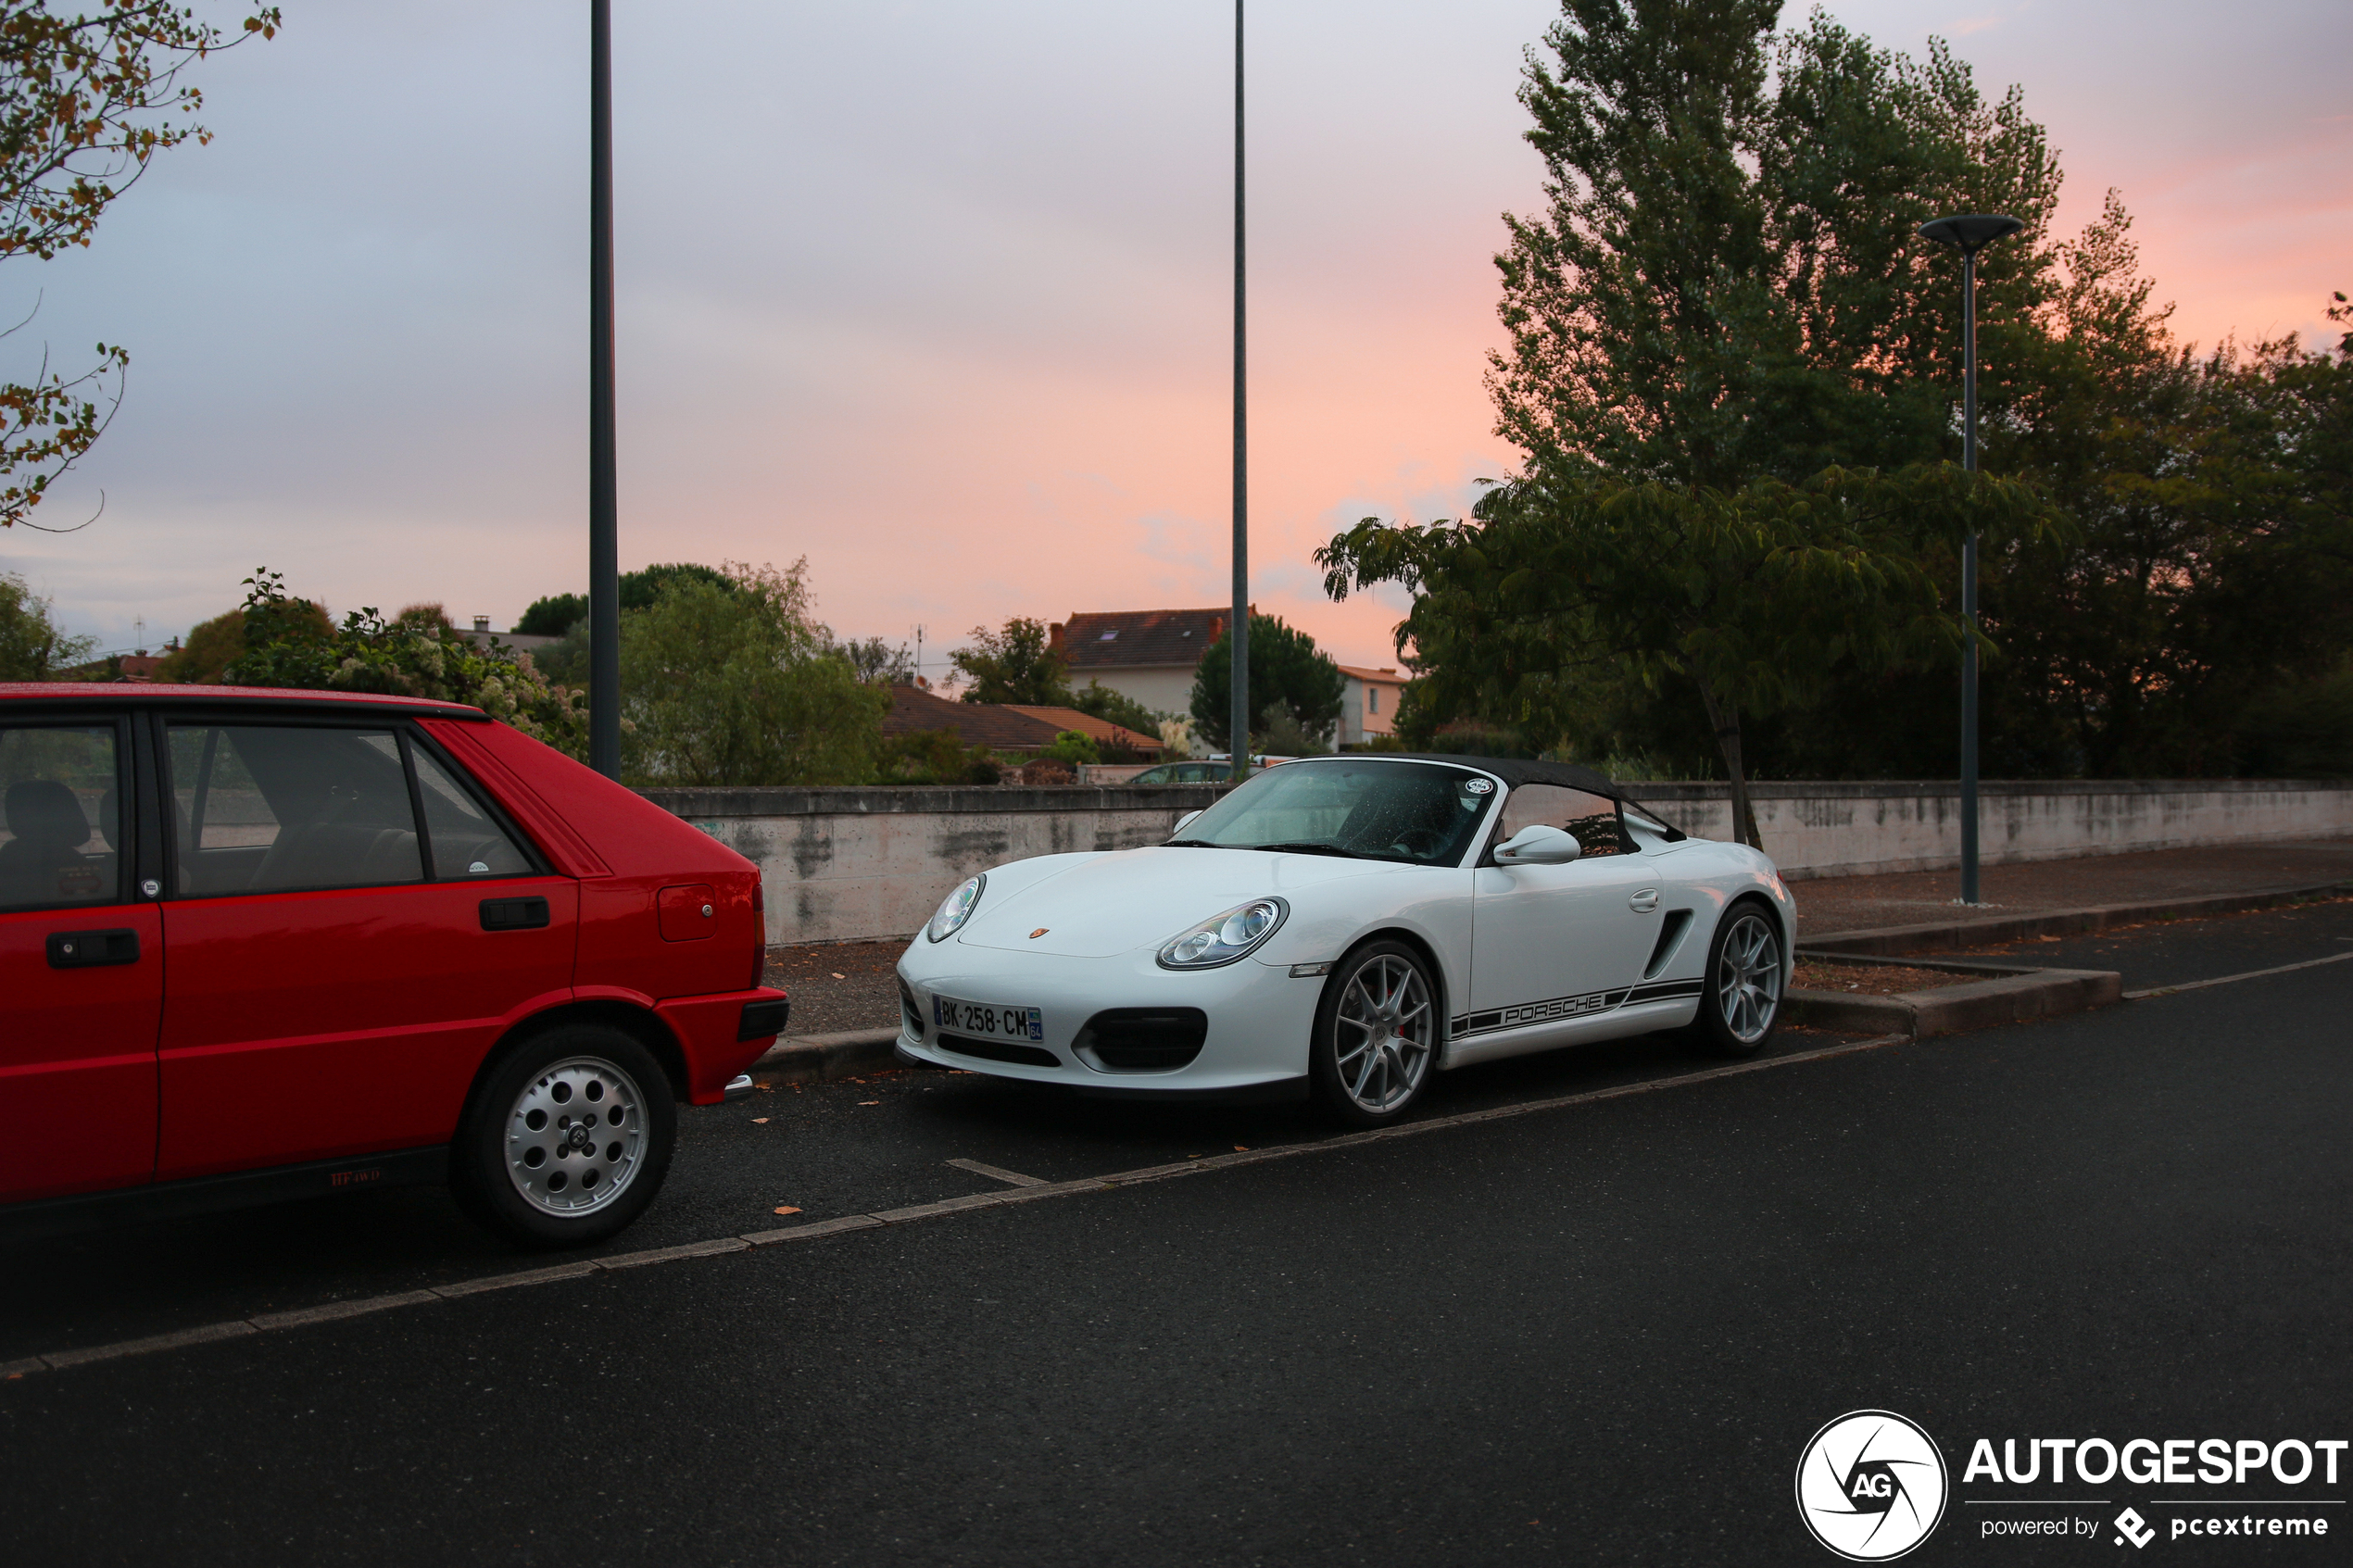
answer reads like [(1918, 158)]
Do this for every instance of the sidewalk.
[(1861, 903)]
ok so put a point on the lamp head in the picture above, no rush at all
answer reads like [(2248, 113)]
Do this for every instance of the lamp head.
[(1973, 232)]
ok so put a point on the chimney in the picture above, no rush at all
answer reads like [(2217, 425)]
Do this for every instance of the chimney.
[(482, 623), (1054, 638)]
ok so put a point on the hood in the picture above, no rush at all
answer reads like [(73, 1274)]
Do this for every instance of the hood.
[(1134, 898)]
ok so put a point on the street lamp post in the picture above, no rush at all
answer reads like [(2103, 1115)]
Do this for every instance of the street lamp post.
[(604, 506), (1237, 635), (1969, 234)]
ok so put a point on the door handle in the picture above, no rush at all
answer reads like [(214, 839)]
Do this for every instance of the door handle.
[(89, 950), (513, 914), (1643, 902)]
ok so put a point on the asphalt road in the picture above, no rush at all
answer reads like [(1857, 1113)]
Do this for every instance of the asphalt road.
[(1599, 1333)]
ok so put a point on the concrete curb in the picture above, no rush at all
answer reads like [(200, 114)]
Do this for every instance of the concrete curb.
[(2002, 998), (805, 1059), (1977, 932)]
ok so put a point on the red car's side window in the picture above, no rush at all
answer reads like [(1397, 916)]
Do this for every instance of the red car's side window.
[(274, 808), (466, 842), (60, 817)]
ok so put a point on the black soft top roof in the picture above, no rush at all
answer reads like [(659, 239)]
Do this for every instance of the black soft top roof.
[(1517, 770), (1513, 770)]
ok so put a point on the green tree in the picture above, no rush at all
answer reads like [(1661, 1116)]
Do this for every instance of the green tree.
[(739, 685), (1750, 595), (1287, 674), (552, 616), (289, 642), (87, 99), (1118, 707), (876, 661), (32, 646), (558, 613), (1015, 663)]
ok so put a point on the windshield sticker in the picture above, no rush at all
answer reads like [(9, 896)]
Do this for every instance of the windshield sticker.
[(1479, 787)]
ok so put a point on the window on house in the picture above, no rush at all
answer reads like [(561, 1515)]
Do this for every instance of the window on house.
[(1372, 699)]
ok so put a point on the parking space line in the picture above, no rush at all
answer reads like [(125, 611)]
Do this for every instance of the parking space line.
[(1032, 1191), (2230, 979), (994, 1174)]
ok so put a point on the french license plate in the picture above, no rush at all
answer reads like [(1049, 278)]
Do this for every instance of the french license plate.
[(989, 1023)]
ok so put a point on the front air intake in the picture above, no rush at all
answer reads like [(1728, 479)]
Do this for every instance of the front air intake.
[(910, 1012), (1142, 1040), (1000, 1050)]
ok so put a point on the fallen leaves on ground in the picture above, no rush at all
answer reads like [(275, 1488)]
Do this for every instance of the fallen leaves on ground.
[(869, 1102), (1241, 1149), (759, 1120), (787, 1209)]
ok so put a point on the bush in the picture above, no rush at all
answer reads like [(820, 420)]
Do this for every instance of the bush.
[(290, 643), (935, 756), (1073, 746)]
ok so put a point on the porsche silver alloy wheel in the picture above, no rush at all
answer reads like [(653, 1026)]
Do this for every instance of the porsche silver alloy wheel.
[(1748, 978), (575, 1135), (1384, 1033)]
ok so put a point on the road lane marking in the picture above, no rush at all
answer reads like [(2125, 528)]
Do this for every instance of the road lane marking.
[(2230, 979), (276, 1322), (1012, 1178)]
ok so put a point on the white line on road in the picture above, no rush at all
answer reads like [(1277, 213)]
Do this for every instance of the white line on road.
[(2228, 979), (275, 1321), (1012, 1178)]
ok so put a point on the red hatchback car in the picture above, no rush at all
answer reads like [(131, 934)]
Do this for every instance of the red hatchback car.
[(266, 944)]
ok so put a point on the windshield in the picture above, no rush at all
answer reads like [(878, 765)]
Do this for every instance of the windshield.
[(1418, 812)]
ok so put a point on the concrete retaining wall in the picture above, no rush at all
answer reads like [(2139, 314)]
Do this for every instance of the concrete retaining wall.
[(1865, 828), (844, 864)]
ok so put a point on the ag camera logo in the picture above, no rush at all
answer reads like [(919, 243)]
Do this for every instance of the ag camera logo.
[(1871, 1486)]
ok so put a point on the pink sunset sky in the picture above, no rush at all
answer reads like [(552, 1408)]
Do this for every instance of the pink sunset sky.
[(937, 296)]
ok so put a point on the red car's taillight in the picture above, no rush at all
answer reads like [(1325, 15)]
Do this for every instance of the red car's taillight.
[(759, 935)]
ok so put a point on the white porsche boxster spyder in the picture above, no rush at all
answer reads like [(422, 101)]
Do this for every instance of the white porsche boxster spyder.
[(1345, 927)]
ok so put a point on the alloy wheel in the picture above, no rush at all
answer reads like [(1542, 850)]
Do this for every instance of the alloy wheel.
[(575, 1136), (1385, 1033), (1748, 978)]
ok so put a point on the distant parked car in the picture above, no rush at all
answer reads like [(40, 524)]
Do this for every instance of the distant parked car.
[(1214, 769), (257, 945), (1185, 772), (1346, 927)]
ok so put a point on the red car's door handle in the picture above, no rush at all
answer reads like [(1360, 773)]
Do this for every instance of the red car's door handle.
[(513, 914), (88, 949)]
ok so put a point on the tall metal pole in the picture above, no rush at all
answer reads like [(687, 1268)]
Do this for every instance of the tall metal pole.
[(1238, 635), (1969, 585), (604, 506)]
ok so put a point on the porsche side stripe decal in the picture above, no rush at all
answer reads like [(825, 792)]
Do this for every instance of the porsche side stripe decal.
[(1585, 1006)]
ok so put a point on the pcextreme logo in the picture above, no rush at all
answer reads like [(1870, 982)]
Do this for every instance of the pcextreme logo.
[(1870, 1486)]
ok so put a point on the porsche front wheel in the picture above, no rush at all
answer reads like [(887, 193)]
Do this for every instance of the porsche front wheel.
[(1376, 1040)]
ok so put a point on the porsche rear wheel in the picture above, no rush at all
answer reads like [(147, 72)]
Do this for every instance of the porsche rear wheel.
[(1741, 1005), (1376, 1040)]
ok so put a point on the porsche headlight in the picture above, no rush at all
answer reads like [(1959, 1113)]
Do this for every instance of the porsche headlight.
[(1223, 939), (955, 910)]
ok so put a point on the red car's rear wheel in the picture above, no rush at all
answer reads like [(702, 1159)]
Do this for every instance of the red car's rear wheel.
[(568, 1138)]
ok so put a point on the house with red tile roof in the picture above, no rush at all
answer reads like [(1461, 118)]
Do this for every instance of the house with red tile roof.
[(1148, 655), (1004, 727)]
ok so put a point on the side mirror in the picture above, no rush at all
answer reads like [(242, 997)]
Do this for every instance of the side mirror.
[(1181, 821), (1537, 845)]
